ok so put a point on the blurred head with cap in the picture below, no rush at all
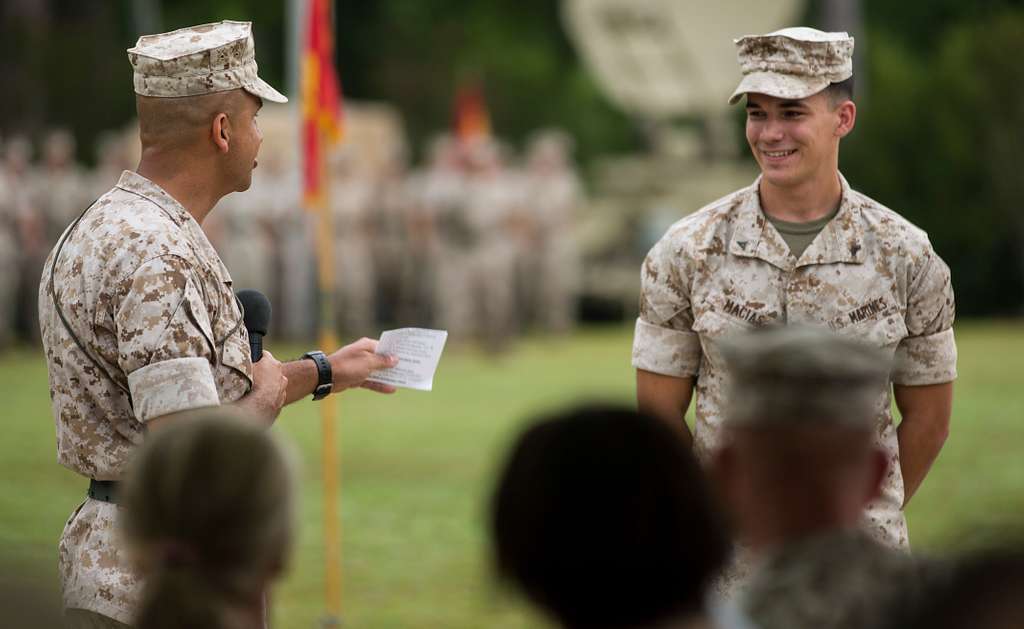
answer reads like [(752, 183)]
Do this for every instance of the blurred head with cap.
[(799, 455), (197, 95), (799, 88)]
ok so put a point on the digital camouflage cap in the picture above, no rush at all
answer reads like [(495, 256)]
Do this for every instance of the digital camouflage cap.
[(792, 63), (198, 60), (803, 375)]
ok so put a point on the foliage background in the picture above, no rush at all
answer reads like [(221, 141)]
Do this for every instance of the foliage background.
[(938, 136)]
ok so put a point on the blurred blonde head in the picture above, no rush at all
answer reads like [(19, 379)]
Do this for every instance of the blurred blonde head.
[(59, 148), (208, 514), (549, 149)]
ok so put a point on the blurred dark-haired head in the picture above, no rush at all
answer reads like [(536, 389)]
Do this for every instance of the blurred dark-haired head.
[(602, 517)]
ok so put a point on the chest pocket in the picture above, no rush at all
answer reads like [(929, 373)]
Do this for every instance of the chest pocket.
[(234, 361), (714, 328), (884, 332)]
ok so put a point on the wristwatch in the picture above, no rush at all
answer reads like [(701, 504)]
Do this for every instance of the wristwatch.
[(324, 375)]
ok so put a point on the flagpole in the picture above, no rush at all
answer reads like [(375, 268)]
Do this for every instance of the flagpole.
[(317, 73), (328, 412)]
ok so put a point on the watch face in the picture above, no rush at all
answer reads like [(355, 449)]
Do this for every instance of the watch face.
[(321, 391)]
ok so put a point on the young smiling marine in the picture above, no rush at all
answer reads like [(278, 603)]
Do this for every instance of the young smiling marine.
[(799, 246)]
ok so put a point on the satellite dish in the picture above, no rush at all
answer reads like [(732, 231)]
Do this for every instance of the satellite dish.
[(662, 58)]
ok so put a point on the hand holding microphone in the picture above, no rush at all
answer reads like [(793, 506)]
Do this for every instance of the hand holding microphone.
[(270, 385)]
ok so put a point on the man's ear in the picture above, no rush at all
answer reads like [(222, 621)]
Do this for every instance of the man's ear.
[(847, 111), (220, 132)]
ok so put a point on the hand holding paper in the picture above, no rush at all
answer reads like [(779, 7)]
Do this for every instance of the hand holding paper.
[(418, 351)]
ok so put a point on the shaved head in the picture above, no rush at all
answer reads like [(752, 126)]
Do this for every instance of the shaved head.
[(172, 123), (210, 141)]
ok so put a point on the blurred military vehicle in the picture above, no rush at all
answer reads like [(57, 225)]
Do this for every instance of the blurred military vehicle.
[(671, 66)]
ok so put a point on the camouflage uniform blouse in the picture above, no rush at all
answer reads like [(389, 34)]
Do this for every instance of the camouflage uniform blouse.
[(150, 301), (835, 580), (869, 274)]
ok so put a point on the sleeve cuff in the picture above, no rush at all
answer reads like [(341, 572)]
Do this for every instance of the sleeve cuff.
[(666, 351), (924, 360), (172, 386)]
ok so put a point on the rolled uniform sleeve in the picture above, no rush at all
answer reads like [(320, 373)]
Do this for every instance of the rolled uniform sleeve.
[(928, 354), (664, 341), (165, 339)]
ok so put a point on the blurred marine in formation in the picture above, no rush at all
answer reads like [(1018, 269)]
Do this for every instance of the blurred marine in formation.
[(437, 217), (62, 189), (9, 238), (29, 225), (800, 246), (493, 209), (553, 195), (352, 204)]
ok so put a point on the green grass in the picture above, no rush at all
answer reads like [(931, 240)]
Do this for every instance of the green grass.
[(417, 469)]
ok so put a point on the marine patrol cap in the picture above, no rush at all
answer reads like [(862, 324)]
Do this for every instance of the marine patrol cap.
[(792, 63), (197, 60), (798, 375)]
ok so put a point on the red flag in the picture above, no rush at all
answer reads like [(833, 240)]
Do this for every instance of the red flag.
[(321, 100), (471, 119)]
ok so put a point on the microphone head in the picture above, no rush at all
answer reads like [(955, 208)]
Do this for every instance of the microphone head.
[(256, 311)]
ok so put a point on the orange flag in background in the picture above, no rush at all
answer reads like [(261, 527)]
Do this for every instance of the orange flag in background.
[(321, 100), (472, 121)]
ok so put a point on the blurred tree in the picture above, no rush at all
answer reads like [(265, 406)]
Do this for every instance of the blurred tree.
[(938, 141), (55, 60), (64, 61), (415, 54)]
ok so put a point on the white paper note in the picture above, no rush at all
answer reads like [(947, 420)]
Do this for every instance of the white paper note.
[(418, 351)]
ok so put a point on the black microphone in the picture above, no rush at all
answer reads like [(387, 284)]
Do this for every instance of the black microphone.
[(256, 315)]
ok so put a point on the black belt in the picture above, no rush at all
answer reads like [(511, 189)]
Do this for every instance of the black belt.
[(105, 490)]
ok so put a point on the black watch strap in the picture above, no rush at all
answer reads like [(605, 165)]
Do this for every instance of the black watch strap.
[(323, 374)]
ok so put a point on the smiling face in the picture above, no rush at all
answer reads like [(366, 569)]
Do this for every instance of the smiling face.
[(796, 142)]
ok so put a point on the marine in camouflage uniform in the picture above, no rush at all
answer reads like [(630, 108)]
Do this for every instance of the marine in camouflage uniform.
[(8, 261), (139, 321), (138, 314), (352, 205), (58, 191), (798, 463), (151, 302), (294, 228), (493, 209), (866, 273), (29, 224), (554, 195), (112, 159), (839, 580), (61, 189), (441, 215)]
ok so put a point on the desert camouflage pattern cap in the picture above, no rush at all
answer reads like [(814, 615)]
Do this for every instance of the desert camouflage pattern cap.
[(792, 63), (801, 375), (199, 60)]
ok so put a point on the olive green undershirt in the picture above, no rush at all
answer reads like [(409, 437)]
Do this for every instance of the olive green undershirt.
[(799, 236)]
